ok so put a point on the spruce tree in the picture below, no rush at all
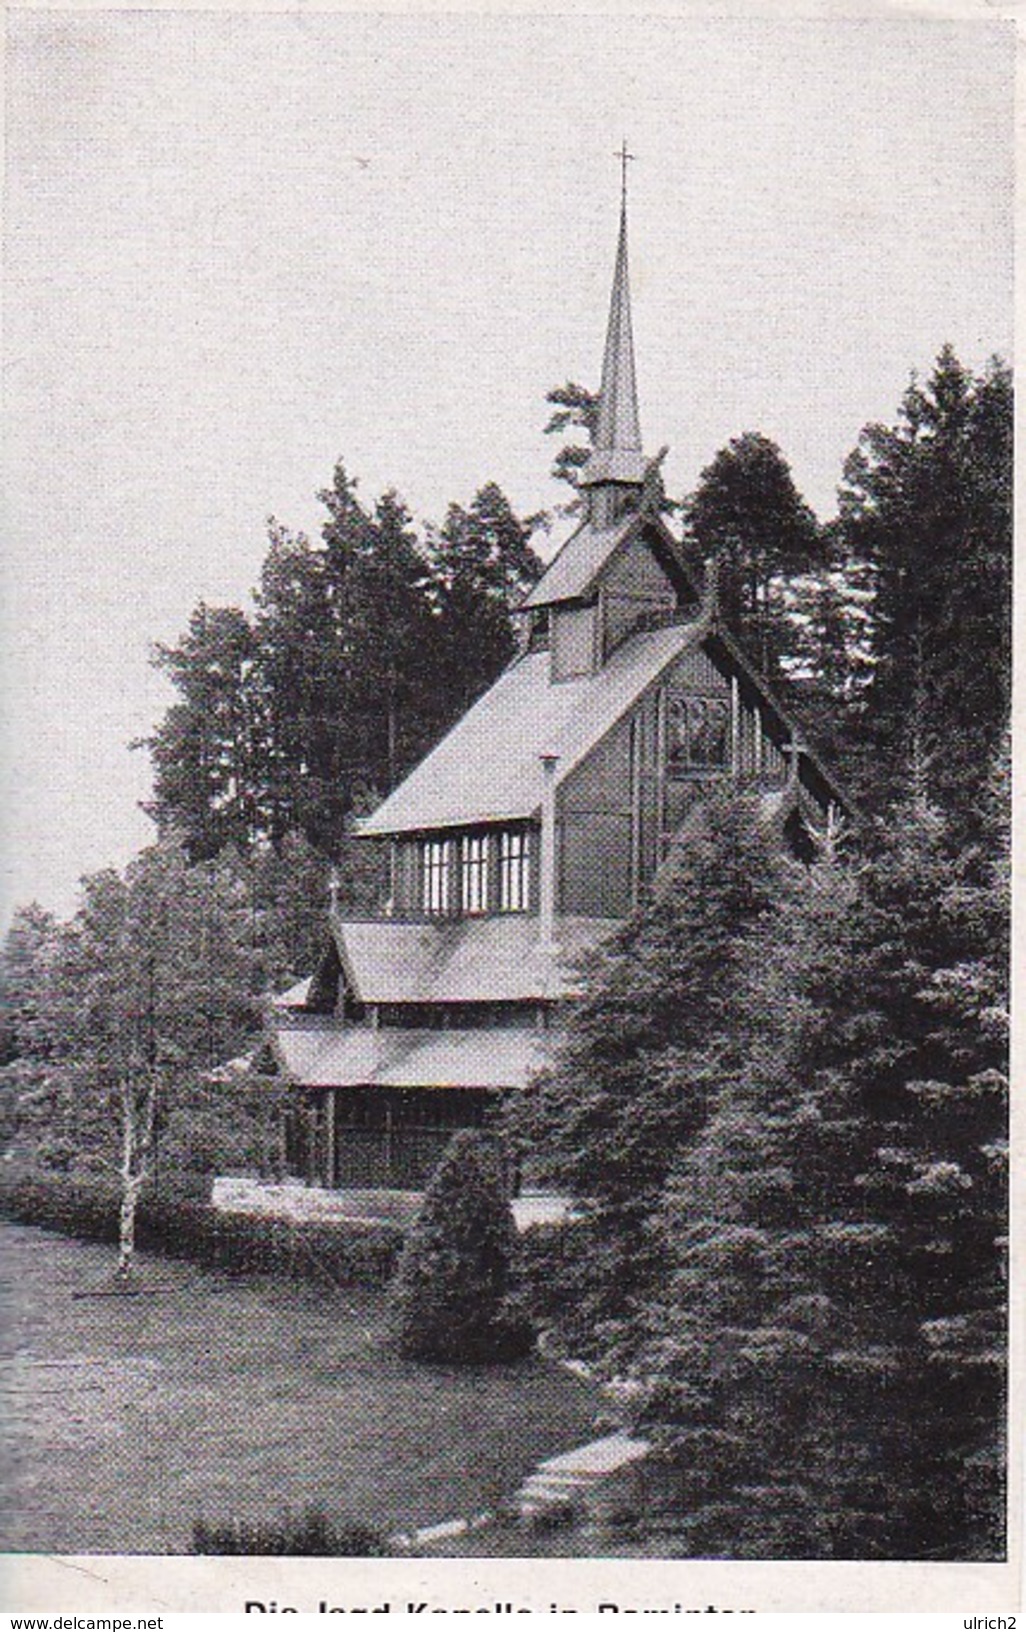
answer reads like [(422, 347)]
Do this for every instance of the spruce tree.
[(451, 1297), (642, 1052), (826, 1358)]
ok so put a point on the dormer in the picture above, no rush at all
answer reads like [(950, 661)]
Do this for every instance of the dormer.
[(604, 585)]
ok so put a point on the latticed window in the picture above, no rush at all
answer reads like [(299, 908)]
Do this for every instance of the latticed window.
[(436, 877), (475, 874), (514, 871), (699, 733)]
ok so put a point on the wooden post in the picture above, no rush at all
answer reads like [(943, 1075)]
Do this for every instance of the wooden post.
[(547, 859), (735, 728), (636, 750), (329, 1139), (660, 756)]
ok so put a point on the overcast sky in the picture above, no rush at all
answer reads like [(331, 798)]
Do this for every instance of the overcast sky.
[(239, 246)]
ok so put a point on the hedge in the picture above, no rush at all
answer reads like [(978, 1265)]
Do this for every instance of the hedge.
[(342, 1252), (311, 1534)]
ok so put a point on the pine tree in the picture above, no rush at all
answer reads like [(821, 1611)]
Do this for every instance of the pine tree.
[(483, 565), (295, 678), (576, 408), (747, 513), (927, 506), (365, 648), (205, 752)]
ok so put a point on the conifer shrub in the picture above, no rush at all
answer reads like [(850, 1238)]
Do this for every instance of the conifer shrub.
[(452, 1297)]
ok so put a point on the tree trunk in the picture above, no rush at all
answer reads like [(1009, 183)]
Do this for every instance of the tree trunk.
[(137, 1119), (126, 1239)]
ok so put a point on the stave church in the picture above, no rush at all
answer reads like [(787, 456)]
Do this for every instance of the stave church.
[(535, 826)]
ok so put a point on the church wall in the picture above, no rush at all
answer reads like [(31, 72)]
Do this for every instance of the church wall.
[(619, 809), (634, 588), (696, 672), (593, 815)]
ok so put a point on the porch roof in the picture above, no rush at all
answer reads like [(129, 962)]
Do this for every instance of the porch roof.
[(330, 1056), (463, 960)]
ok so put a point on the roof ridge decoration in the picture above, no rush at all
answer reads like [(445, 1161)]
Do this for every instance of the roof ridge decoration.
[(616, 454)]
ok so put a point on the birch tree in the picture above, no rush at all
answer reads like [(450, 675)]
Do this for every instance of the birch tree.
[(158, 974)]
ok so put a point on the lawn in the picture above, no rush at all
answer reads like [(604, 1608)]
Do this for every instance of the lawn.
[(124, 1419)]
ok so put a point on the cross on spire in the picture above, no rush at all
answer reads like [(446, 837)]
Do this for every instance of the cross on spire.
[(625, 158)]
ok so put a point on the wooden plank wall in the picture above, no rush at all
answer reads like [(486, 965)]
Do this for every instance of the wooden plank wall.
[(573, 636), (633, 588), (619, 809), (593, 817)]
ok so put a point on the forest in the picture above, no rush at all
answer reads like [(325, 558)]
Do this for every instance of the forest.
[(780, 1104)]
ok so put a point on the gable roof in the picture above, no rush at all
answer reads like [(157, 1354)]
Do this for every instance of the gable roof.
[(573, 569), (463, 960), (573, 573), (488, 768)]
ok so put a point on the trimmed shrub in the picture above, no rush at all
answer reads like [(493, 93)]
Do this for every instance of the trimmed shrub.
[(452, 1296), (311, 1534), (344, 1253)]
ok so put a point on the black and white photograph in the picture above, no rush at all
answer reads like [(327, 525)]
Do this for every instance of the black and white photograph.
[(506, 820)]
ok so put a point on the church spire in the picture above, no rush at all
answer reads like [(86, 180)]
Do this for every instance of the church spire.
[(616, 454)]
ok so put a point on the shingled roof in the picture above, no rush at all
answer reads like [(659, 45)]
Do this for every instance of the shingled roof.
[(332, 1056), (463, 960), (488, 768), (572, 572)]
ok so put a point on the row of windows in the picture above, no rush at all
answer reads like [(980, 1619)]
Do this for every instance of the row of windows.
[(456, 874)]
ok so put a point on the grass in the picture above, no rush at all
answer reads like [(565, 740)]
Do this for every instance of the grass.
[(125, 1420)]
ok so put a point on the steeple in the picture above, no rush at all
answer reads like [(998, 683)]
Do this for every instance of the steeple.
[(616, 454)]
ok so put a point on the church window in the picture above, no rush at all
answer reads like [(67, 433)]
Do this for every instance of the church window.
[(514, 871), (437, 882), (699, 733), (475, 873)]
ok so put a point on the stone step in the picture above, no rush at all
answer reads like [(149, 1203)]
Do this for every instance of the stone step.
[(564, 1480), (599, 1456)]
